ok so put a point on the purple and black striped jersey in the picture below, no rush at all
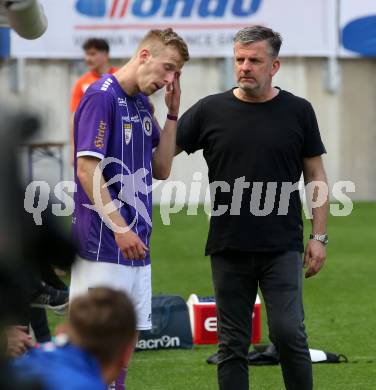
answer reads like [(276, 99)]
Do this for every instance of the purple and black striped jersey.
[(119, 130)]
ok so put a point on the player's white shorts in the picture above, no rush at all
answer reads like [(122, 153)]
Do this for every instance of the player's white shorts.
[(135, 281)]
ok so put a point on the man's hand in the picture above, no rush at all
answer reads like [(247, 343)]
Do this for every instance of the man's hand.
[(172, 97), (314, 257), (18, 341), (131, 245)]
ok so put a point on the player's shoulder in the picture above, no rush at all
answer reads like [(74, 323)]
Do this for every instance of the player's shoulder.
[(103, 84), (102, 89)]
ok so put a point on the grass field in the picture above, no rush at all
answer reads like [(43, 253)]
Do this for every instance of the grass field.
[(340, 307)]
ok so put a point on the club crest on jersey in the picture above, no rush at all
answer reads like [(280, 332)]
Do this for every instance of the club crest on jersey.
[(127, 128), (147, 126)]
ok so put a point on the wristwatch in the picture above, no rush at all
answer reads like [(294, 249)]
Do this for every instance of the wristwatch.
[(323, 238)]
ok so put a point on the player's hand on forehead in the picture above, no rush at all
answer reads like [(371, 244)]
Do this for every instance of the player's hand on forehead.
[(172, 96), (176, 81), (175, 84)]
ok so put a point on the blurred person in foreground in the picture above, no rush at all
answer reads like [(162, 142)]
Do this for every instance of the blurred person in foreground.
[(257, 134), (96, 56), (119, 148), (100, 335), (25, 248)]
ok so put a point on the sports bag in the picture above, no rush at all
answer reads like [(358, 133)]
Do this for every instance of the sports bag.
[(171, 325)]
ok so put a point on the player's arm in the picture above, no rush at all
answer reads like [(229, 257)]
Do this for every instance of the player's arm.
[(165, 151), (315, 253), (129, 243)]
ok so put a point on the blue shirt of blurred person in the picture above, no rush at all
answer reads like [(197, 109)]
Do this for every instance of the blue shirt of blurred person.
[(61, 368)]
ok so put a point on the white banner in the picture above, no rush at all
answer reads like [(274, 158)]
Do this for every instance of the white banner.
[(207, 25), (358, 27)]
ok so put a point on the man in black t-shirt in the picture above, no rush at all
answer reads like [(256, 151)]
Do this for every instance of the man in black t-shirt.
[(257, 141)]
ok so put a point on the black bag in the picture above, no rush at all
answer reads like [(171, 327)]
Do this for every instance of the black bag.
[(171, 325)]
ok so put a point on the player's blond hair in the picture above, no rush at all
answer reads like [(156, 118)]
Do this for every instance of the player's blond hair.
[(155, 40)]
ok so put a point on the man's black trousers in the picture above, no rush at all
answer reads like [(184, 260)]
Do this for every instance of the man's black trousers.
[(236, 278)]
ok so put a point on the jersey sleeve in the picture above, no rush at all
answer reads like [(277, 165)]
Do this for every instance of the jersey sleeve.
[(93, 125), (313, 145), (188, 136), (77, 94)]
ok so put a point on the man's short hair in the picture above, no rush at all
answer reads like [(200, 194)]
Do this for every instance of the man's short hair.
[(167, 37), (260, 33), (103, 322), (96, 43)]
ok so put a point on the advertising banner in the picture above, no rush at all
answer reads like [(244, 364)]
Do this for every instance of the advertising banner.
[(358, 27), (208, 26)]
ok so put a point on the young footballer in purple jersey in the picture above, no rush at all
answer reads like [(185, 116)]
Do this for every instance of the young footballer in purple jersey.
[(119, 148)]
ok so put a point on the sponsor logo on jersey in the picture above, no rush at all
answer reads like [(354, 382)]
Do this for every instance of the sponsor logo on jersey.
[(122, 102), (99, 139), (147, 125), (135, 118)]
